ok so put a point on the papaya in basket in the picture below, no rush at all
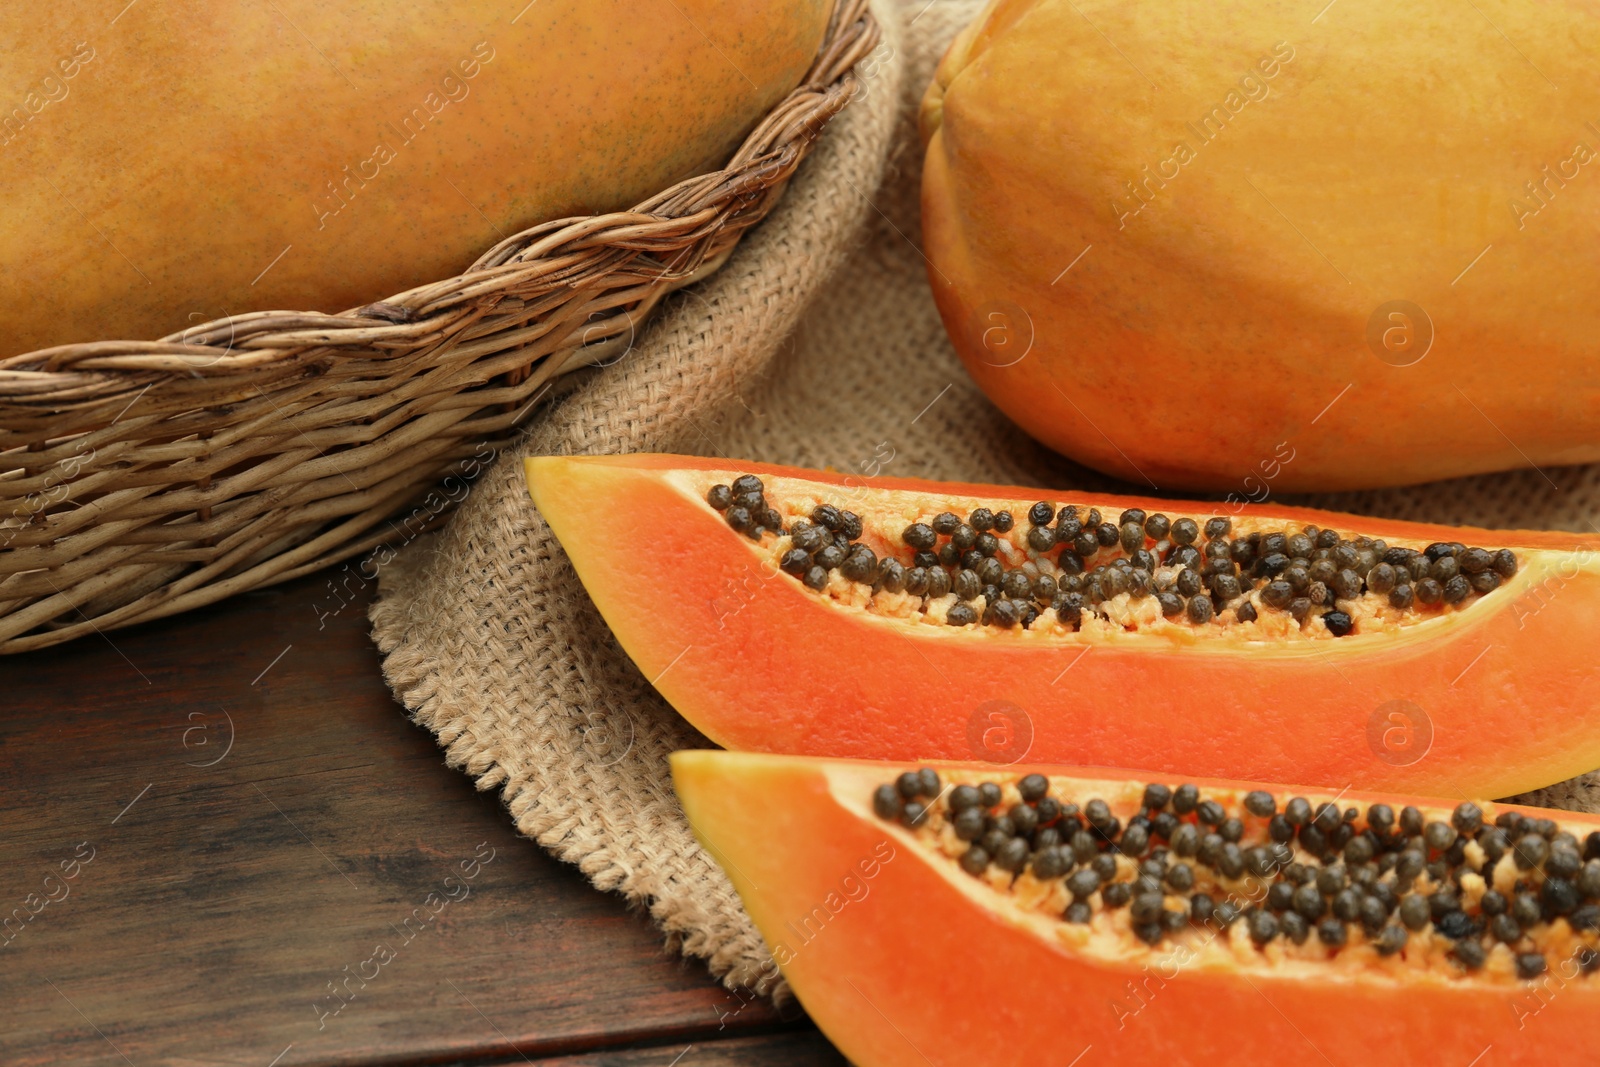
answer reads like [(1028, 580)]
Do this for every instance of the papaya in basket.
[(168, 164)]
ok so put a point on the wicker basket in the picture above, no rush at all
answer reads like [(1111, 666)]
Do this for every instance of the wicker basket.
[(143, 478)]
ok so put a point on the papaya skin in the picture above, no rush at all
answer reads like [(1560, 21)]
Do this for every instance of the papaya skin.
[(219, 159), (1239, 307), (917, 966), (757, 662)]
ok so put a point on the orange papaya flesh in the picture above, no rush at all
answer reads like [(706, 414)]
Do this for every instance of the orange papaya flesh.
[(904, 958), (1486, 697)]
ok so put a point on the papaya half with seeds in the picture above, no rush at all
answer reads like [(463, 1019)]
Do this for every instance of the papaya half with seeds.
[(1442, 930), (1169, 238), (785, 610)]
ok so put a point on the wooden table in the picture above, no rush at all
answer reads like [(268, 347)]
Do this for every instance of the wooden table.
[(222, 842)]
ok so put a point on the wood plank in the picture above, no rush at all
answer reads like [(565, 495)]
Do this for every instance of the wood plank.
[(806, 1048), (274, 866)]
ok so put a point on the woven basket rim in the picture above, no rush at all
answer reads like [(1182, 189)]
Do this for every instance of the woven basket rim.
[(256, 341)]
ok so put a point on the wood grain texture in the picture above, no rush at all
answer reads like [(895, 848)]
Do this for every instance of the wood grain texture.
[(803, 1049), (222, 842)]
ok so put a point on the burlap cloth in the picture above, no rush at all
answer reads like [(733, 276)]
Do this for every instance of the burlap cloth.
[(818, 345)]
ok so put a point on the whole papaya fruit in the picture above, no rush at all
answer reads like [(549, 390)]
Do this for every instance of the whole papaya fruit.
[(1178, 241), (172, 163)]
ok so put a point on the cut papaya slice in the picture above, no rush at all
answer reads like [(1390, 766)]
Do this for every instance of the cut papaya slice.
[(1146, 920), (798, 611)]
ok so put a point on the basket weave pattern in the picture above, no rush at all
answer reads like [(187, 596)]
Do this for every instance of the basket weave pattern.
[(143, 478)]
